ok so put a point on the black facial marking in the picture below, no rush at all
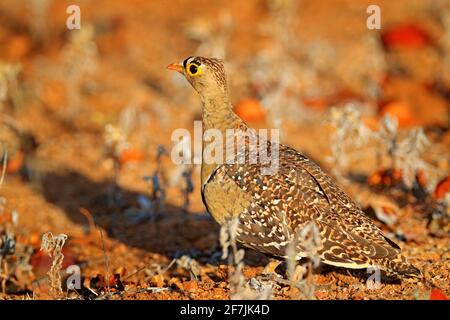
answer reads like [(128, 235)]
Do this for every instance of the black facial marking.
[(185, 61), (197, 62)]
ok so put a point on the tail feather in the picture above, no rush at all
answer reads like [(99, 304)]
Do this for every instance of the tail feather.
[(401, 266)]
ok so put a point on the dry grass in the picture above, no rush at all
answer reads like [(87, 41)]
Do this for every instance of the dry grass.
[(53, 245)]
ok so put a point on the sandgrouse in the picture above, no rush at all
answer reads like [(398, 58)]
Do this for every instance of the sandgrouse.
[(272, 208)]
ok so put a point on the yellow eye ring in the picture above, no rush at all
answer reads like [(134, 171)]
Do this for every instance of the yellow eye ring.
[(193, 70)]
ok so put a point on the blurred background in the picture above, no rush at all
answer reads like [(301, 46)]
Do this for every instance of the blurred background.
[(86, 118)]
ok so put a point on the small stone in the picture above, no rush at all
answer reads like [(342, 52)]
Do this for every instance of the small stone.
[(176, 282), (190, 286), (122, 271), (250, 272), (157, 280)]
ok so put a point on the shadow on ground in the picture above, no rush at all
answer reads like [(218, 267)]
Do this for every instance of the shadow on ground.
[(171, 232)]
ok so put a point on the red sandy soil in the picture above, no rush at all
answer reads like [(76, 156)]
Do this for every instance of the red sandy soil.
[(67, 167)]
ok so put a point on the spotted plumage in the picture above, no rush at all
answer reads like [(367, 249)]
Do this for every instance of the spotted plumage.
[(272, 209)]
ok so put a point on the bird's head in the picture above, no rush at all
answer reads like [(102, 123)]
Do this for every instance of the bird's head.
[(206, 75)]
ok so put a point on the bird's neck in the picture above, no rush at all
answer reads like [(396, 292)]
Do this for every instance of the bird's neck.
[(218, 115)]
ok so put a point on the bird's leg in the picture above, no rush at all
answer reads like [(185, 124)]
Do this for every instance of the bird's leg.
[(271, 266), (299, 272)]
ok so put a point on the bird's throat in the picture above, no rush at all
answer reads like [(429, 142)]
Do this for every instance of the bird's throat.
[(218, 114)]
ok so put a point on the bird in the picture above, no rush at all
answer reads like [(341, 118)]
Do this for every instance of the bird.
[(273, 208)]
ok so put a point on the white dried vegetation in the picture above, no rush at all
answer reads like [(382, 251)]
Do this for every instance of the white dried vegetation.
[(52, 245), (240, 289)]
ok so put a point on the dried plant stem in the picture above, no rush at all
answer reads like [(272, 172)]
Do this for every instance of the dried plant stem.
[(90, 219), (239, 289), (300, 276), (53, 247), (4, 162), (106, 259), (188, 188)]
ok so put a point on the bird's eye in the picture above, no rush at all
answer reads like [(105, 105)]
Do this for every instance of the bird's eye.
[(193, 70)]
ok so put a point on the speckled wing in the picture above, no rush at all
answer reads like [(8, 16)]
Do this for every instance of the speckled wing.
[(277, 206)]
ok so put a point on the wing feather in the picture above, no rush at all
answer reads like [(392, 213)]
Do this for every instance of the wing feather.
[(298, 193)]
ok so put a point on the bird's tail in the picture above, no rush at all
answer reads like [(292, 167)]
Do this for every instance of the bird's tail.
[(401, 266)]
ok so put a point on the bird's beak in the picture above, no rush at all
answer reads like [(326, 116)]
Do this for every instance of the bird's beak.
[(175, 66)]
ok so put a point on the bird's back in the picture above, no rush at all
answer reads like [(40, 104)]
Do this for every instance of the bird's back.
[(273, 209)]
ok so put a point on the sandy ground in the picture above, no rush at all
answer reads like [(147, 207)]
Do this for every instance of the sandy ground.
[(74, 85)]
